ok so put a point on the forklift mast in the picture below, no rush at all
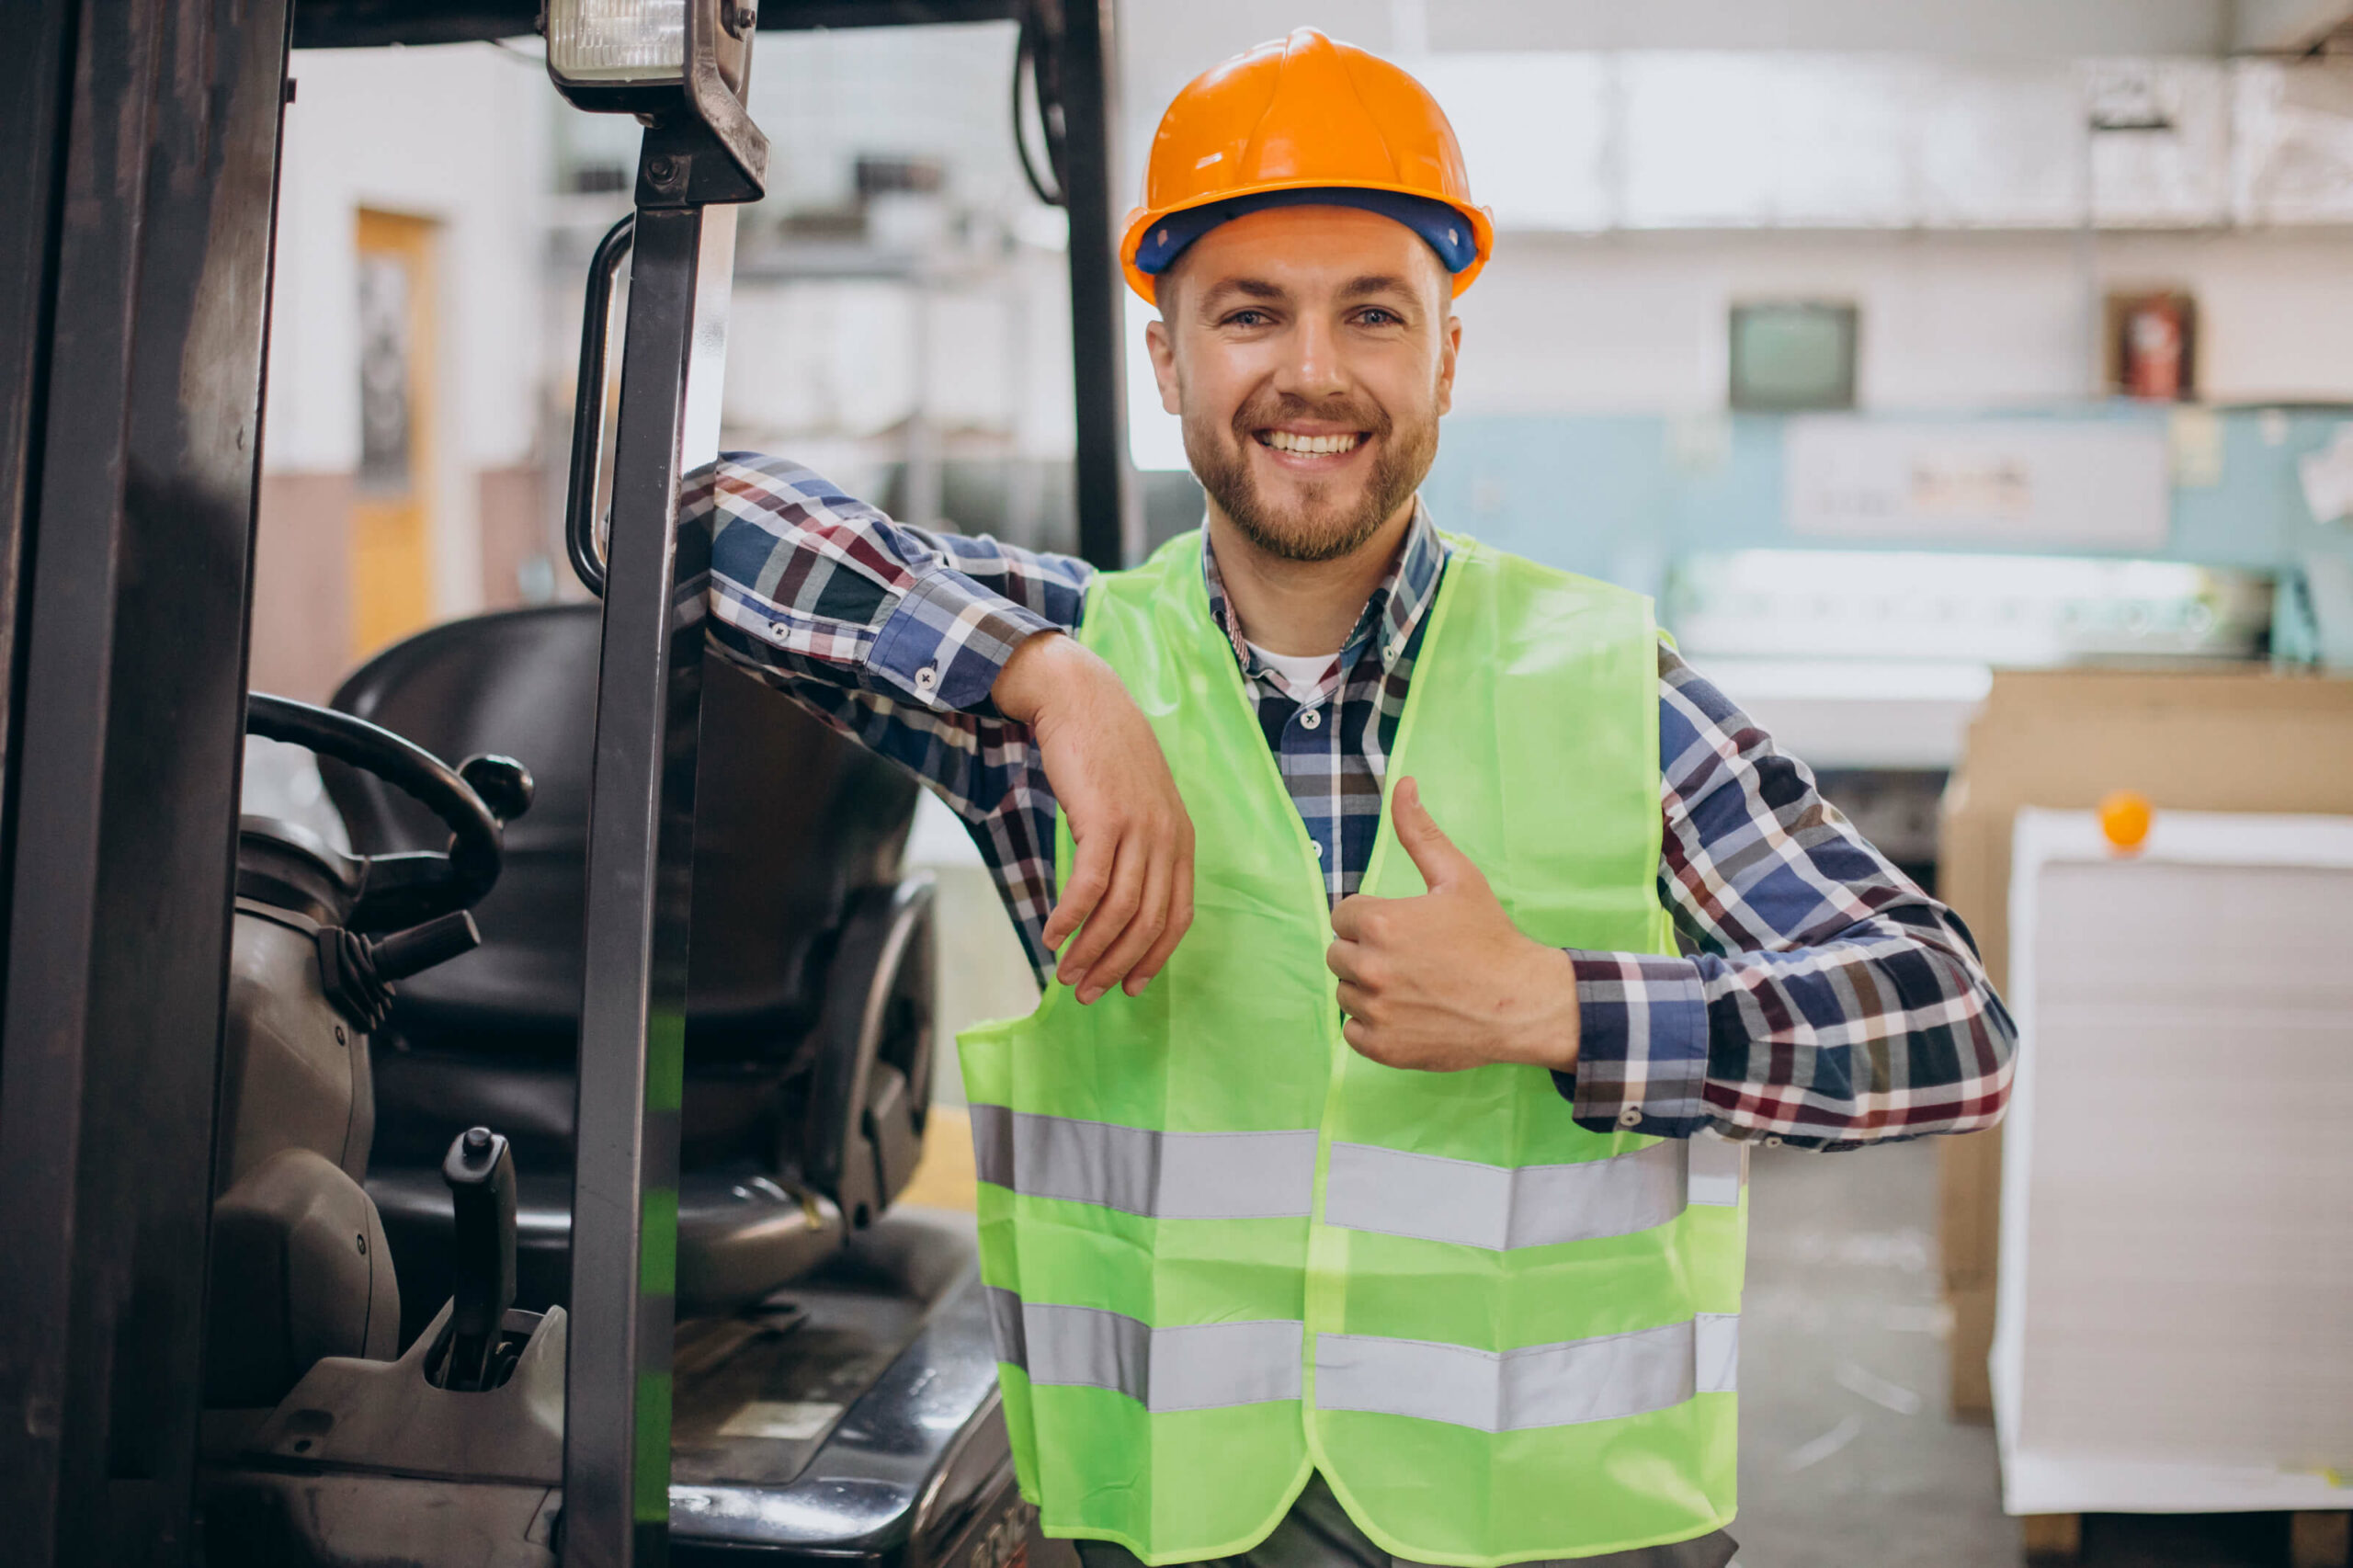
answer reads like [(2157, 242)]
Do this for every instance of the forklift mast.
[(137, 211)]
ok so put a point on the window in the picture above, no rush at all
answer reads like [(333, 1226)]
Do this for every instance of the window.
[(1793, 356)]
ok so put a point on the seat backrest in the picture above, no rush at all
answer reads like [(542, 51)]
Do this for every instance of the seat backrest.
[(791, 821)]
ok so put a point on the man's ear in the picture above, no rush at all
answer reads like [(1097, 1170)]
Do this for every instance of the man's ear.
[(1162, 350), (1450, 345)]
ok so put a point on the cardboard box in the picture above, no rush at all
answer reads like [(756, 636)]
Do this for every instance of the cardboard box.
[(2231, 739)]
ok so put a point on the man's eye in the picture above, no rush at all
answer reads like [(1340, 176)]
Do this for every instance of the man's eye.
[(1246, 318), (1376, 316)]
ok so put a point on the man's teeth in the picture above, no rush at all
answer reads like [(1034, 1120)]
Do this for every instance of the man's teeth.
[(1311, 446)]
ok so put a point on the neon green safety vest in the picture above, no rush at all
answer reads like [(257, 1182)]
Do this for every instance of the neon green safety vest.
[(1222, 1247)]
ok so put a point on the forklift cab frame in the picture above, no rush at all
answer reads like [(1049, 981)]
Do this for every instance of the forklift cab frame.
[(137, 215)]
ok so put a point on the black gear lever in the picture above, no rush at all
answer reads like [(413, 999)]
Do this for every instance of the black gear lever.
[(481, 1173)]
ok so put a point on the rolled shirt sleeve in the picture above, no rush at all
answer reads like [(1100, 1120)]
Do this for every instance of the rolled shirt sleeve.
[(946, 640)]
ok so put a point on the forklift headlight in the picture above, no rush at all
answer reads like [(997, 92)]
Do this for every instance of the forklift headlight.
[(619, 43), (653, 58)]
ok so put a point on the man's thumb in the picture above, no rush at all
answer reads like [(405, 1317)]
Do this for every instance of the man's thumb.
[(1435, 855)]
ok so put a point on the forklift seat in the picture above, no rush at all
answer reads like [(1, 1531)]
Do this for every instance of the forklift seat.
[(808, 1017)]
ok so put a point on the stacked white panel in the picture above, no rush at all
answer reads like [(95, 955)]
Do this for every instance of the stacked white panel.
[(2176, 1311)]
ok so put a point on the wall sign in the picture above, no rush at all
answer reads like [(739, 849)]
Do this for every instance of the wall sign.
[(1991, 482)]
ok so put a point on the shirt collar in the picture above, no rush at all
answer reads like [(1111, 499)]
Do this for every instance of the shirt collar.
[(1395, 607)]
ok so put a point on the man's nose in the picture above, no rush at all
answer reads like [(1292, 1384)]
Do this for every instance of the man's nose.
[(1311, 364)]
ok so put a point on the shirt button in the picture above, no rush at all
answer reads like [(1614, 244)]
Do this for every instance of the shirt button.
[(927, 679), (1312, 719), (1316, 846), (1391, 650), (1631, 1117), (1772, 1142)]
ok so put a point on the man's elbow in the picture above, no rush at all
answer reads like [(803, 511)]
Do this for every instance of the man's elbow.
[(2002, 1046), (1982, 1043)]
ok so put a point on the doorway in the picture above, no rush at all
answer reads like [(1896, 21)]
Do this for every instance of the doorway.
[(391, 516)]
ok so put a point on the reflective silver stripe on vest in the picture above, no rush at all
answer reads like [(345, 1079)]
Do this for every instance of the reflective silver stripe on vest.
[(1543, 1385), (1165, 1175), (1197, 1367), (1717, 1351), (1501, 1207), (1719, 1170)]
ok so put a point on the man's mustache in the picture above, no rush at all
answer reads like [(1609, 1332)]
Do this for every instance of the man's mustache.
[(1282, 408)]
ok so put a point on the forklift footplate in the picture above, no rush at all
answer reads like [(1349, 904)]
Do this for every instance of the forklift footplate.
[(851, 1419)]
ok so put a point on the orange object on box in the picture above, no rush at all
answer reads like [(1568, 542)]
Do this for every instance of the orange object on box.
[(2124, 820)]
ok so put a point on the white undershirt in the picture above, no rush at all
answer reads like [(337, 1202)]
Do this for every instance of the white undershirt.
[(1301, 673)]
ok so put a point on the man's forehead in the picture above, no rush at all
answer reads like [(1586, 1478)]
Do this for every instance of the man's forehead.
[(1308, 249)]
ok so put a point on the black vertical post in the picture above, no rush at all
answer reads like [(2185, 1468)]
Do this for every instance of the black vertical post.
[(34, 50), (134, 465), (640, 845), (1110, 526)]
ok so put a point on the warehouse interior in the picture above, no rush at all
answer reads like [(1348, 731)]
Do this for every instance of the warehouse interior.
[(1968, 382), (1824, 325)]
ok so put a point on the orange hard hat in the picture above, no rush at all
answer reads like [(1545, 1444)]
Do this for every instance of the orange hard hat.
[(1276, 125)]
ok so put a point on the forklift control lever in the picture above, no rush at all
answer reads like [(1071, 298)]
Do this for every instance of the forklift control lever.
[(420, 948), (480, 1174), (357, 972)]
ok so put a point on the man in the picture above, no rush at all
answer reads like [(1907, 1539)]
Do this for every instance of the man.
[(1360, 1189)]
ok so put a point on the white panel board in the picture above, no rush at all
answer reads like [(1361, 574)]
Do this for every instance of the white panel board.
[(1702, 139), (2174, 177), (1991, 482), (2293, 143), (1580, 141), (2174, 1329), (1844, 128), (1998, 147)]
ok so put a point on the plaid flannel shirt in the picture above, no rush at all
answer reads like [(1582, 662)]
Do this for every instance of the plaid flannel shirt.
[(1821, 999)]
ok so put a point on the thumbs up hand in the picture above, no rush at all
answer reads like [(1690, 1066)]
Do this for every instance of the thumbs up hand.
[(1446, 980)]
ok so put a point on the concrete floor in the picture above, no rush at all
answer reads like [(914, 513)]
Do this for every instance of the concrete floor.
[(1847, 1458), (1846, 1455)]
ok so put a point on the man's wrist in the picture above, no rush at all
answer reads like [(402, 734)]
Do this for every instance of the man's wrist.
[(1552, 1034), (1022, 687)]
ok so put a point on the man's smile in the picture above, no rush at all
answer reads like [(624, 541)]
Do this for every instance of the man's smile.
[(1297, 447)]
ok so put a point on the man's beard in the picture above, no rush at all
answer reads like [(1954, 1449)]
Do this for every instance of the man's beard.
[(1321, 528)]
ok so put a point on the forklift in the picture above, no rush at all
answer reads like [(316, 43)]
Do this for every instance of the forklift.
[(513, 1187)]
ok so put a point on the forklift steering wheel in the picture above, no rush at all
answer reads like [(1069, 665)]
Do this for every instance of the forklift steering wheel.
[(475, 799)]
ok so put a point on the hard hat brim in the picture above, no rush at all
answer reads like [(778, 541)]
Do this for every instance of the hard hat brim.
[(1140, 220)]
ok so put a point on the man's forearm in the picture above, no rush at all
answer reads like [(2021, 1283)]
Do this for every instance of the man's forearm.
[(893, 635), (809, 583), (1826, 1001)]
